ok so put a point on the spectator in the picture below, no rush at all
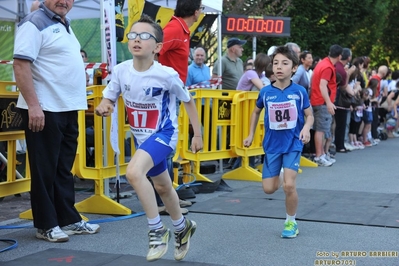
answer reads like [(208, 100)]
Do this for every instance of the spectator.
[(322, 98), (369, 98), (198, 72), (342, 113), (255, 80), (248, 66), (49, 109), (156, 138), (302, 75), (295, 47), (381, 74), (232, 65)]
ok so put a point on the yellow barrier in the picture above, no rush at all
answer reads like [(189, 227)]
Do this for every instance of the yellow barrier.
[(15, 182), (104, 159), (216, 117), (242, 107)]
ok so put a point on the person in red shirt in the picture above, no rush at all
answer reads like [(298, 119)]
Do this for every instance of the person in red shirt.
[(176, 44), (322, 97), (174, 53)]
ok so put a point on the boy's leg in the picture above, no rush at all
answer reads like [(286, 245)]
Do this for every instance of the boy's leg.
[(184, 228), (150, 153), (291, 166), (163, 186), (271, 173)]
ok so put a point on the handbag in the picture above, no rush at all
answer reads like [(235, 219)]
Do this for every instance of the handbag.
[(345, 100)]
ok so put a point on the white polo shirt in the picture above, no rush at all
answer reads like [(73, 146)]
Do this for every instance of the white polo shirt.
[(58, 70)]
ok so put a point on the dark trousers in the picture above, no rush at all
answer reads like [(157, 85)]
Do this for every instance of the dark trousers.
[(51, 154), (340, 127)]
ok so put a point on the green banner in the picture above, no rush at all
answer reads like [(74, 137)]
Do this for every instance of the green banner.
[(7, 30)]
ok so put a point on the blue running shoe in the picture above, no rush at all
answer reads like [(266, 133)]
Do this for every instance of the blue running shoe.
[(290, 230)]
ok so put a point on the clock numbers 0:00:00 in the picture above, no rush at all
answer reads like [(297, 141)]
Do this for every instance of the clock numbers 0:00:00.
[(255, 25)]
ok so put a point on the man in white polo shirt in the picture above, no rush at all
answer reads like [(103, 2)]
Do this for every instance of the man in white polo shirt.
[(50, 75)]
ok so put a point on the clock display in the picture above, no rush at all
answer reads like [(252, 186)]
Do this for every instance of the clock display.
[(251, 25)]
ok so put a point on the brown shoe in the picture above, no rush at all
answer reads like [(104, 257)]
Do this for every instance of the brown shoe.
[(185, 203), (162, 211)]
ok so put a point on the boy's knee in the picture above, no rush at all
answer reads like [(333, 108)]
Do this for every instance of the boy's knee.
[(162, 189), (269, 189), (289, 188)]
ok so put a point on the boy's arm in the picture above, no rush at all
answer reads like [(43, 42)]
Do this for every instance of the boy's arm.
[(309, 118), (196, 143), (304, 135), (105, 108), (254, 122)]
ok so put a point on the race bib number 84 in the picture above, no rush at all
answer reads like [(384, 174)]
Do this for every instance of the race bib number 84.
[(282, 115)]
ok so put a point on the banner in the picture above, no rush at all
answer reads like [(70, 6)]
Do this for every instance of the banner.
[(7, 31), (109, 15), (119, 21), (161, 15), (135, 8), (201, 28)]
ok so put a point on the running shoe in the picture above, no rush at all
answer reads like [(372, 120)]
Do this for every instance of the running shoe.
[(322, 161), (158, 242), (81, 227), (290, 230), (54, 234), (182, 239)]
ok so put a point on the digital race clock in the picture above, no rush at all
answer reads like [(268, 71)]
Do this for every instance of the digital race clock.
[(253, 25)]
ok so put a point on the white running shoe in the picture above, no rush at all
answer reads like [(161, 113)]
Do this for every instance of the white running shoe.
[(322, 161), (54, 234)]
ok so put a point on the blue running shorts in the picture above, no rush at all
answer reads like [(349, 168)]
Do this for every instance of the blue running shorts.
[(273, 162), (159, 151)]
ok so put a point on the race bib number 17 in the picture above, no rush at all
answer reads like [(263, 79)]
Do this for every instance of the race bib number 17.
[(143, 119)]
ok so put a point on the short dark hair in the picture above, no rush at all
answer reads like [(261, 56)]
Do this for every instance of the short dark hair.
[(157, 28), (346, 53), (186, 8), (335, 51), (395, 75), (261, 62), (287, 52), (304, 54), (84, 52)]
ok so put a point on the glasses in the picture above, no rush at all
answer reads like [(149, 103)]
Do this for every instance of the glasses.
[(142, 35), (201, 8)]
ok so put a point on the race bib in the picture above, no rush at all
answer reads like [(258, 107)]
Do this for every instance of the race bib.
[(142, 120), (282, 115), (359, 112)]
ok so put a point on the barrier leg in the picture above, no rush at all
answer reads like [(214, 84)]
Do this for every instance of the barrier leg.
[(305, 162), (198, 176), (244, 173), (101, 204)]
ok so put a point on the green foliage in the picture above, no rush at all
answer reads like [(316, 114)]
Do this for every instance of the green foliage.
[(368, 27)]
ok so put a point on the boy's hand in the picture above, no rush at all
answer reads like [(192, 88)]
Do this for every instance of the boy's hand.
[(196, 144), (304, 135), (105, 108), (248, 141)]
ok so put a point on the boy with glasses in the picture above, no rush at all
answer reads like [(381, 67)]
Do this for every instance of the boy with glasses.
[(150, 91)]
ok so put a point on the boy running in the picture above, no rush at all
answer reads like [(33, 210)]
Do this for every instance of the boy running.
[(149, 91), (286, 106)]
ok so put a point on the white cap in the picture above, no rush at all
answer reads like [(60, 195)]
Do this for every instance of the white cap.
[(271, 50)]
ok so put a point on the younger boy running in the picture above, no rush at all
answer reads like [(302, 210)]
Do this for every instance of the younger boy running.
[(286, 104), (149, 91)]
